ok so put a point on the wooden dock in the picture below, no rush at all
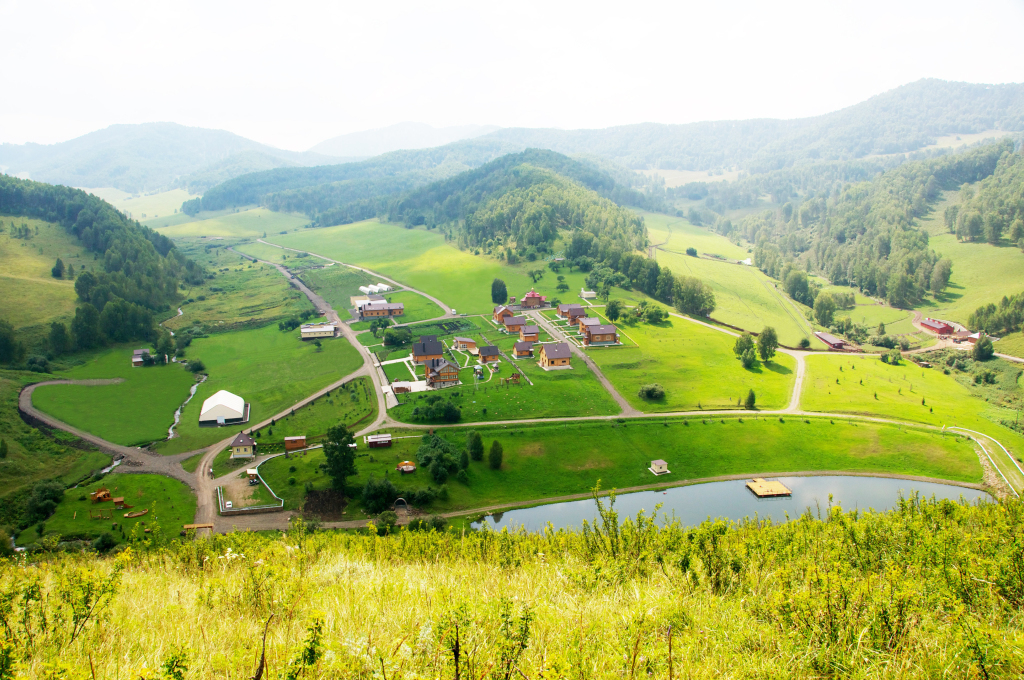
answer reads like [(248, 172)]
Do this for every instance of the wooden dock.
[(768, 488)]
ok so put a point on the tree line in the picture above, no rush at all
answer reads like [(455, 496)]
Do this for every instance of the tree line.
[(995, 209)]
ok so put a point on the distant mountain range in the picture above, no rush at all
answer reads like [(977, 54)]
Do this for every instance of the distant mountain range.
[(155, 156)]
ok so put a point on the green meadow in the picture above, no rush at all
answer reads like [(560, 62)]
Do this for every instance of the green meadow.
[(171, 505), (134, 412), (146, 208), (252, 223), (268, 368), (676, 234), (417, 308), (335, 283), (695, 365), (550, 460)]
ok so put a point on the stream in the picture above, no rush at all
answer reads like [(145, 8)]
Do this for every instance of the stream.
[(177, 414)]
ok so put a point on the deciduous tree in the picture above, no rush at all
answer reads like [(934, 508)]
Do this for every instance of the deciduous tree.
[(767, 343)]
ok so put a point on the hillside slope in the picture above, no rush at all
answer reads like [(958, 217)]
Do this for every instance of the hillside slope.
[(406, 135)]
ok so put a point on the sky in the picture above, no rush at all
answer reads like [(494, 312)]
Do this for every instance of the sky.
[(291, 74)]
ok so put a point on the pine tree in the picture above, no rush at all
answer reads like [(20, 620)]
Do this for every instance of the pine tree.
[(3, 448), (496, 455)]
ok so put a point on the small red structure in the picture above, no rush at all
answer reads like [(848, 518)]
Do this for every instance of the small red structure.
[(293, 443), (377, 441), (832, 341), (937, 327)]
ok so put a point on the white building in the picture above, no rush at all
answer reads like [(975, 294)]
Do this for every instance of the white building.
[(365, 290), (317, 330), (383, 288), (224, 408), (587, 294)]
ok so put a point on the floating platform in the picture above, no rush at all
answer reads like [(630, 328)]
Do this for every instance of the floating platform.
[(768, 488)]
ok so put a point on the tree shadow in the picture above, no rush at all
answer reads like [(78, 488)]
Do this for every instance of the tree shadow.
[(778, 368)]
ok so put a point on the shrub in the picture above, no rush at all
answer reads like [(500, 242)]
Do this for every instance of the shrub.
[(386, 522), (652, 392), (804, 343), (463, 477), (196, 366), (104, 543), (748, 358), (291, 481), (378, 495), (496, 455), (692, 252), (292, 468)]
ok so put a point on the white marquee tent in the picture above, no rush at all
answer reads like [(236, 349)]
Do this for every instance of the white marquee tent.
[(223, 407)]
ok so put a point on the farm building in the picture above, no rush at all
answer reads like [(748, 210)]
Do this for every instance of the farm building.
[(465, 344), (529, 333), (600, 335), (295, 443), (359, 301), (585, 321), (555, 355), (500, 313), (379, 288), (533, 300), (375, 310), (139, 357), (224, 408), (317, 330), (832, 341), (243, 446), (564, 309), (441, 373), (523, 349), (961, 336), (659, 467), (428, 348), (378, 441), (514, 323), (937, 327), (489, 353), (587, 294), (365, 290)]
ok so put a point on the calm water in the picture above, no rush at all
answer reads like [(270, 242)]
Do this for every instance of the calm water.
[(732, 500)]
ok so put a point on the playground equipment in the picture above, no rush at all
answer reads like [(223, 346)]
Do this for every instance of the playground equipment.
[(100, 495), (137, 513)]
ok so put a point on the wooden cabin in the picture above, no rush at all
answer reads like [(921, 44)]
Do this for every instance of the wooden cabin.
[(427, 349), (564, 309), (604, 334), (488, 354), (465, 344), (514, 323), (378, 441), (575, 314), (295, 443), (500, 313), (533, 300), (376, 310), (555, 355), (523, 349), (529, 333), (441, 373)]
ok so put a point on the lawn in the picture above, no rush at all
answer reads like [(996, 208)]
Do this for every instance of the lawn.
[(575, 392), (31, 297), (147, 207), (268, 368), (864, 385), (695, 365), (422, 259), (417, 308), (676, 234), (171, 504), (544, 461), (132, 413), (334, 283), (252, 223)]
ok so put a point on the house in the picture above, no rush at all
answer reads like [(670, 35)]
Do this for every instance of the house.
[(317, 330), (381, 309), (574, 314), (585, 321), (937, 327), (563, 310), (295, 443), (555, 355), (429, 347), (529, 333), (587, 294), (974, 337), (604, 334), (139, 357), (224, 408), (832, 341), (533, 300), (441, 373), (378, 441), (523, 349), (359, 301), (961, 336), (514, 323), (500, 313), (487, 354), (243, 446), (659, 467), (465, 344)]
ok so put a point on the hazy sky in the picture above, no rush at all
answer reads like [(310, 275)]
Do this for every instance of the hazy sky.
[(291, 74)]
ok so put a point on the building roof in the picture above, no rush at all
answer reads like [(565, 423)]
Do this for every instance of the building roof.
[(140, 352), (590, 321), (224, 398), (605, 329), (557, 350), (577, 312), (658, 462), (313, 327), (489, 350), (515, 321), (242, 439), (427, 348), (383, 306), (569, 305), (435, 366), (502, 308), (935, 325), (829, 339), (300, 437), (534, 294), (428, 338), (530, 330), (524, 346), (462, 339)]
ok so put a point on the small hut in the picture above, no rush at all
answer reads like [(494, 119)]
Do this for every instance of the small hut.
[(659, 467)]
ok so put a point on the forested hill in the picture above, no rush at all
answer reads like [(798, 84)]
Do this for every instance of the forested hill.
[(135, 263), (864, 234)]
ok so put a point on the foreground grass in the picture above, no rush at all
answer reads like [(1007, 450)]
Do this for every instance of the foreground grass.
[(134, 412), (268, 368), (855, 595), (695, 365), (545, 461)]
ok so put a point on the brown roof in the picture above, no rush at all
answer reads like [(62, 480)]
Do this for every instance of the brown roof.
[(462, 339), (428, 338), (140, 352), (502, 308), (568, 306), (515, 321), (524, 346), (606, 329), (530, 330), (435, 366), (243, 440), (590, 321), (557, 350)]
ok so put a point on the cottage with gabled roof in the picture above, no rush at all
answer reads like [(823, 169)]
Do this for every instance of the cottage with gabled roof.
[(529, 333), (441, 373), (523, 349), (604, 334), (514, 323), (584, 321), (488, 354), (428, 348), (500, 312), (376, 310), (465, 344), (564, 309), (243, 446), (139, 357), (555, 355)]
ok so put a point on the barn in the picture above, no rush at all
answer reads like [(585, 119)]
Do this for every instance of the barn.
[(224, 408)]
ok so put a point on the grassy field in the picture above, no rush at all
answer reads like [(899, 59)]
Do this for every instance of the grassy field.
[(252, 223), (334, 283), (171, 504), (545, 461), (695, 365), (31, 297), (422, 259), (417, 308), (676, 234), (145, 207), (268, 368), (132, 413), (34, 455), (241, 295)]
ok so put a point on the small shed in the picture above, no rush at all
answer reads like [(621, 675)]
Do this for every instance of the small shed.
[(659, 467), (295, 443), (254, 476), (139, 357), (377, 441)]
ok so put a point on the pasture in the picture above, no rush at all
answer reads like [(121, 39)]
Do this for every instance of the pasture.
[(252, 223), (555, 459), (695, 365), (171, 505), (676, 234), (417, 308), (131, 413), (145, 207), (270, 369), (334, 283)]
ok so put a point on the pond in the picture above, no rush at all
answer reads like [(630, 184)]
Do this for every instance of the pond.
[(692, 504)]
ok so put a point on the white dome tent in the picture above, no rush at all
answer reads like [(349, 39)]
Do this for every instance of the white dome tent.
[(224, 408)]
